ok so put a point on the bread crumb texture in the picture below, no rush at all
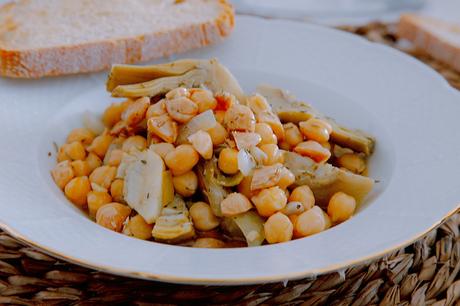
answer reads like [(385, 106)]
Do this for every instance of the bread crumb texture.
[(56, 37)]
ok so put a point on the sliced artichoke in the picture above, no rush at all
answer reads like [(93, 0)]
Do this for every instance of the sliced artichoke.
[(174, 223), (214, 192), (252, 227), (289, 109), (325, 179), (143, 186)]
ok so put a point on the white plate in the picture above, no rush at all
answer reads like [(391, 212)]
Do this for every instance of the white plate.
[(408, 107)]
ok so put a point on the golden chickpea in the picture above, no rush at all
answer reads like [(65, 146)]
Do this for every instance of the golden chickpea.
[(62, 173), (228, 161), (202, 143), (93, 161), (234, 204), (353, 162), (112, 114), (240, 118), (77, 189), (182, 159), (95, 200), (218, 134), (116, 190), (181, 109), (341, 207), (203, 98), (139, 228), (114, 157), (266, 133), (156, 109), (177, 92), (112, 216), (82, 135), (75, 150), (244, 187), (274, 155), (80, 167), (103, 176), (219, 115), (316, 129), (209, 243), (164, 127), (304, 195), (61, 155), (293, 136), (293, 208), (162, 148), (269, 201), (310, 222), (134, 142), (278, 228), (100, 145), (287, 178), (313, 150), (185, 184), (202, 216), (135, 112)]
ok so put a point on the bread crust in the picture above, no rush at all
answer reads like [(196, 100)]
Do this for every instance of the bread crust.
[(100, 55), (411, 27)]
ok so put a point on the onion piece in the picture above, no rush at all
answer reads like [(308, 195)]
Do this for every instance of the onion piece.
[(246, 162), (92, 122), (259, 155), (246, 140), (203, 121)]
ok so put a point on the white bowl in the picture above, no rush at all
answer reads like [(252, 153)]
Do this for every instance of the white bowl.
[(409, 108)]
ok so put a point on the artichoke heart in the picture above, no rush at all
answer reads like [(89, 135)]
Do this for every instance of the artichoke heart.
[(174, 223)]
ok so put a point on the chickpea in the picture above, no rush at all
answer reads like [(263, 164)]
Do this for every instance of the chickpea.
[(181, 109), (139, 228), (93, 161), (202, 143), (244, 187), (61, 155), (182, 159), (266, 133), (156, 109), (310, 222), (134, 142), (77, 189), (219, 115), (100, 145), (185, 184), (274, 155), (240, 118), (112, 216), (313, 150), (103, 176), (278, 228), (177, 93), (353, 162), (292, 134), (304, 195), (234, 204), (80, 167), (162, 148), (82, 135), (114, 157), (116, 190), (135, 112), (316, 129), (228, 161), (218, 134), (62, 173), (112, 114), (75, 150), (293, 208), (287, 178), (341, 207), (202, 216), (269, 201), (164, 127), (203, 98), (264, 114), (225, 100), (95, 200), (210, 243)]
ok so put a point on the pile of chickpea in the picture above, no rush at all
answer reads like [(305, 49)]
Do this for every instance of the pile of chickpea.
[(87, 165)]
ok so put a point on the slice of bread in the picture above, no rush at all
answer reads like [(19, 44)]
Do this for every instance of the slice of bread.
[(55, 37), (438, 38)]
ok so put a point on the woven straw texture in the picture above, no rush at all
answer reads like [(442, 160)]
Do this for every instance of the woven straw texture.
[(425, 273)]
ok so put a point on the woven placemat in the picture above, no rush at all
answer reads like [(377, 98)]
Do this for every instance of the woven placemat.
[(425, 273)]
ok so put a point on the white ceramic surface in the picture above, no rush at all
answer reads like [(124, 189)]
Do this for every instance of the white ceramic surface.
[(408, 107)]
